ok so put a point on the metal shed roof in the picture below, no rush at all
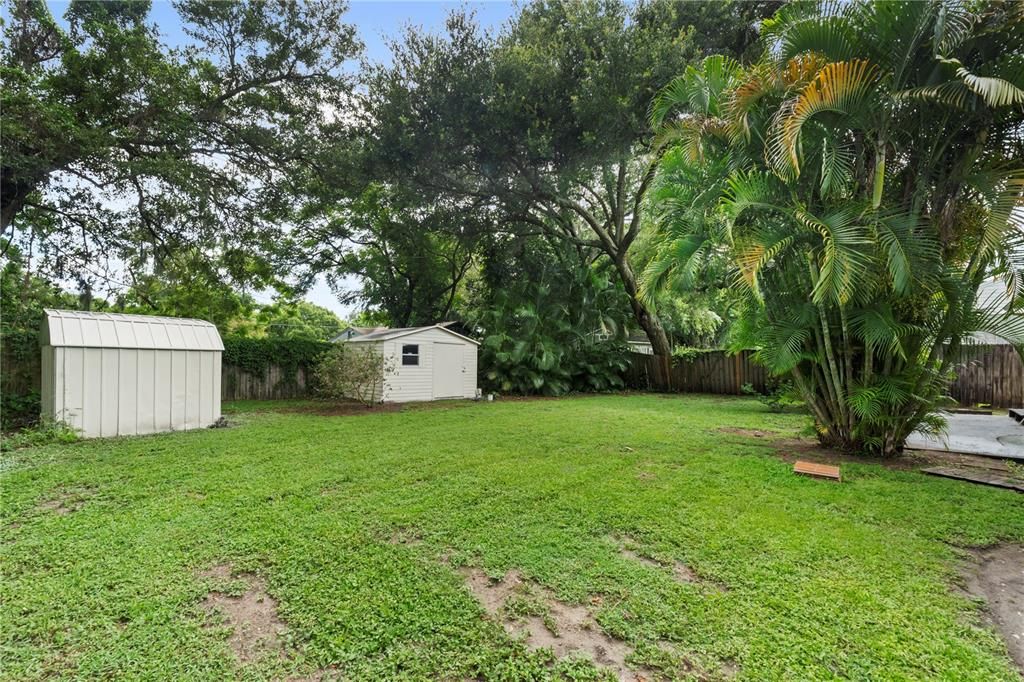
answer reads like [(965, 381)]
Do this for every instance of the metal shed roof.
[(115, 330), (387, 334)]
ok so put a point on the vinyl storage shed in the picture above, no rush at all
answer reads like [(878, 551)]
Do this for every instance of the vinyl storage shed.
[(107, 374), (430, 363)]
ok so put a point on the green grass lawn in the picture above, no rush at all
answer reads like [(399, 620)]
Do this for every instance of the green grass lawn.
[(358, 526)]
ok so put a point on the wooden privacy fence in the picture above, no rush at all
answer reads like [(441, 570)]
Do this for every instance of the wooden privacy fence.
[(706, 372), (991, 375), (274, 383)]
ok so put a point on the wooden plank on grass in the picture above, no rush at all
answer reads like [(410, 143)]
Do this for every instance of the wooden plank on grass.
[(817, 470), (984, 477)]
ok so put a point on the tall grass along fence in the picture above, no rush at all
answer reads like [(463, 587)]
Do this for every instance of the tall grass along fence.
[(986, 375)]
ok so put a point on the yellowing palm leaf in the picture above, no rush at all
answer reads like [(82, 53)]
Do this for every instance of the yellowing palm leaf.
[(838, 87)]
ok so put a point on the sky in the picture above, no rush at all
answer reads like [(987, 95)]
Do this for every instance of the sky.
[(375, 22)]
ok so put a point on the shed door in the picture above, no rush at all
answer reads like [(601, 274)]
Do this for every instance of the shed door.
[(448, 370)]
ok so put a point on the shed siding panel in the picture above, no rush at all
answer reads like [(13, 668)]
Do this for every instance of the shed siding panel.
[(92, 405), (128, 391), (179, 381), (469, 378), (47, 397), (71, 398), (163, 396), (146, 416), (205, 393), (215, 388), (108, 389), (193, 388)]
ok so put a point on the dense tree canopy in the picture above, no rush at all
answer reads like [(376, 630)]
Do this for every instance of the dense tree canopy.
[(119, 151), (547, 121), (412, 258)]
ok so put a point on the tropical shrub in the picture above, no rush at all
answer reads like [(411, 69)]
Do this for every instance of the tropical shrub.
[(863, 179), (352, 372), (545, 340), (776, 396)]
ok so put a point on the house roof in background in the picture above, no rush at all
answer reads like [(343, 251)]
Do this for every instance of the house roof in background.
[(388, 334), (992, 294)]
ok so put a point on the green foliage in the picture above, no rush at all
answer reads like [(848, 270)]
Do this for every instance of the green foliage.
[(539, 340), (860, 189), (688, 354), (411, 256), (37, 434), (548, 488), (254, 355), (120, 152), (19, 410), (287, 319), (353, 371), (777, 396), (541, 128)]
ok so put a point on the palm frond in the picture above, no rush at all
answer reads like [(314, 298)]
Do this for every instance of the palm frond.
[(836, 168), (753, 190), (843, 263), (995, 91), (838, 87)]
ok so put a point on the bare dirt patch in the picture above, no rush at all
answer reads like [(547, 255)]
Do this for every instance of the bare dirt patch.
[(531, 613), (680, 571), (753, 433), (256, 631), (406, 536), (791, 448), (66, 501), (996, 575)]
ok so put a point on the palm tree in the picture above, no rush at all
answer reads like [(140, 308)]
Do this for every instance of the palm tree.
[(863, 179)]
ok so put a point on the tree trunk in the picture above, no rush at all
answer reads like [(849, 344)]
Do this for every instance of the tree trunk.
[(645, 317)]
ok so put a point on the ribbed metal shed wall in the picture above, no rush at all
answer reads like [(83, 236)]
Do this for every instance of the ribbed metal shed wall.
[(108, 374)]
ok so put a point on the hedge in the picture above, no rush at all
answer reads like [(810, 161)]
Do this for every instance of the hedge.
[(256, 355)]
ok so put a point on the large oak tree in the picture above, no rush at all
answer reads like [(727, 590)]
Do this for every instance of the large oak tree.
[(120, 151), (545, 123)]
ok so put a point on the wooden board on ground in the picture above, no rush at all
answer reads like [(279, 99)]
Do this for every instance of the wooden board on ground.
[(1017, 414), (817, 470), (984, 477)]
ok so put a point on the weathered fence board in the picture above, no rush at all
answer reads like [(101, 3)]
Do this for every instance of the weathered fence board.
[(273, 384), (707, 372), (989, 375)]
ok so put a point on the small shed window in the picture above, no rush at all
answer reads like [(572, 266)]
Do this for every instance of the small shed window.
[(410, 354)]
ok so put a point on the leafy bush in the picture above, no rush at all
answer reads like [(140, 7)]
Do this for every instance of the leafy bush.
[(352, 371), (689, 354), (256, 355), (777, 394), (19, 411), (42, 433), (547, 341), (598, 367)]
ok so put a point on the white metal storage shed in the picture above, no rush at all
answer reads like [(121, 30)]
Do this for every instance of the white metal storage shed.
[(108, 374), (430, 363)]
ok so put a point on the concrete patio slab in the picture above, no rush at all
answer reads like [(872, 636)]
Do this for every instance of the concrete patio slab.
[(991, 435)]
